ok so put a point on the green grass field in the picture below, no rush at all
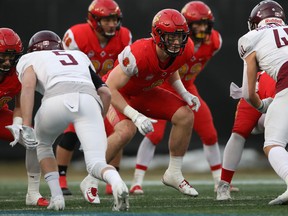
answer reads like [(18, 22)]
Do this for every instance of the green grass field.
[(257, 189)]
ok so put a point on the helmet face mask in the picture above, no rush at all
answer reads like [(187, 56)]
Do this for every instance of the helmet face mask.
[(11, 49), (101, 11), (170, 31), (198, 14), (44, 40), (264, 10)]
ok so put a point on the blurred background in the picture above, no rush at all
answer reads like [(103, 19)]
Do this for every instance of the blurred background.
[(29, 16)]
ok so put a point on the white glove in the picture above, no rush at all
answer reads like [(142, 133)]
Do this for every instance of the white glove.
[(15, 131), (143, 123), (191, 100), (265, 103), (28, 138)]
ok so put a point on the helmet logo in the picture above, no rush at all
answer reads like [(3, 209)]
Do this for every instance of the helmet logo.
[(126, 61)]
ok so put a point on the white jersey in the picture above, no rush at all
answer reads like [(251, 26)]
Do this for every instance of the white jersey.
[(54, 66), (270, 43)]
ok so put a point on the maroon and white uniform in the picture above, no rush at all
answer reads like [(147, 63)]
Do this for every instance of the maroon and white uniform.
[(83, 37)]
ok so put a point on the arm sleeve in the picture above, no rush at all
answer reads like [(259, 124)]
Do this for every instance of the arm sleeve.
[(97, 81)]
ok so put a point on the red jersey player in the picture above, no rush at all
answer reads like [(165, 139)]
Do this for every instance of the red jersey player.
[(135, 86), (10, 50), (207, 42), (102, 38), (246, 118)]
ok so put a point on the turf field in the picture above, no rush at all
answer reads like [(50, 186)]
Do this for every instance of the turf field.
[(257, 187)]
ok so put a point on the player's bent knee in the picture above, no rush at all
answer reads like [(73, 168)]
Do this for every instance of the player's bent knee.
[(44, 151), (184, 116), (68, 141)]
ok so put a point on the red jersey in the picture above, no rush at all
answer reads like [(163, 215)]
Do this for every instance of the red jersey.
[(189, 71), (82, 37), (140, 62), (9, 88)]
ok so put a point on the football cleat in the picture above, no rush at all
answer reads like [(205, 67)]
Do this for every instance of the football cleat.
[(89, 188), (223, 191), (232, 188), (108, 189), (64, 186), (136, 190), (57, 203), (280, 200), (66, 192), (182, 186), (35, 199), (121, 194)]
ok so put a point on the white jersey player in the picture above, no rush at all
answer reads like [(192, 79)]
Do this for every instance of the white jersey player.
[(68, 84), (265, 47)]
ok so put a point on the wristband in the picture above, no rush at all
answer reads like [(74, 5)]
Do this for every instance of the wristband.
[(179, 87), (261, 106), (17, 120)]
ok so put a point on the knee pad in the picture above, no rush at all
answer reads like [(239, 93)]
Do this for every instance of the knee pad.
[(69, 141), (45, 151)]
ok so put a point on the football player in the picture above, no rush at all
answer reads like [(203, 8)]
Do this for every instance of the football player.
[(10, 50), (247, 120), (265, 47), (207, 43), (46, 68), (102, 38), (136, 94)]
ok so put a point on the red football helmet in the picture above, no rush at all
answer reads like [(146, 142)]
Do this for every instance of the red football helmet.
[(263, 10), (168, 25), (10, 46), (44, 40), (99, 9), (198, 12)]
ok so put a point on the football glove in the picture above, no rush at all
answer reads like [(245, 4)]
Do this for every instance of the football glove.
[(191, 100), (28, 138), (15, 131), (143, 123), (265, 103)]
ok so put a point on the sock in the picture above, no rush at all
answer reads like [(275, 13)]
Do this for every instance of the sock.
[(52, 179), (112, 177), (139, 175), (227, 175), (33, 182), (278, 158), (175, 166), (62, 170), (145, 152), (233, 151), (216, 174), (213, 157)]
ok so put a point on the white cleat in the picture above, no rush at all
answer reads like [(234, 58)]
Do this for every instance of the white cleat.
[(223, 191), (183, 186), (121, 194), (136, 190), (280, 200), (35, 199), (57, 203), (232, 188), (89, 188)]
